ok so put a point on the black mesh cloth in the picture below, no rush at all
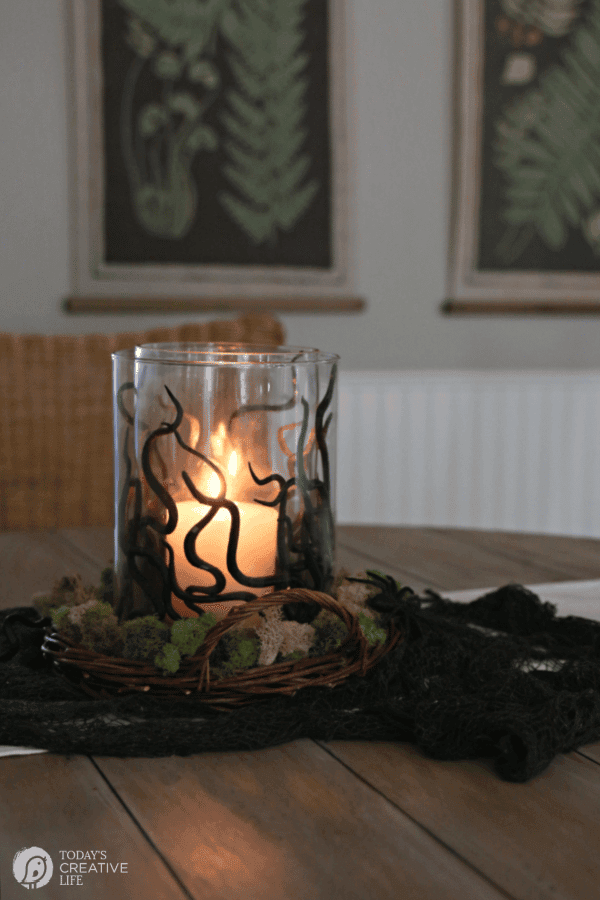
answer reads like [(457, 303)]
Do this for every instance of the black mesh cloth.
[(502, 678)]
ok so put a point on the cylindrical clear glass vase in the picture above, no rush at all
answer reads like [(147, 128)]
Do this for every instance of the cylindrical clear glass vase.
[(224, 475)]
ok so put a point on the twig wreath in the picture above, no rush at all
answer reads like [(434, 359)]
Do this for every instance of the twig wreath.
[(257, 650)]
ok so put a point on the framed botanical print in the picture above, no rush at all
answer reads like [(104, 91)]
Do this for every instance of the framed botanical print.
[(210, 151), (526, 214)]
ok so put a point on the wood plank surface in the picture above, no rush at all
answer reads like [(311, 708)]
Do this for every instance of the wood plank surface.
[(452, 559), (63, 804), (568, 557), (591, 751), (285, 822), (33, 561), (94, 543), (345, 819), (443, 559), (539, 840)]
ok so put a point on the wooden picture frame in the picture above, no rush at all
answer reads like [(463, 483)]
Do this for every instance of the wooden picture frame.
[(209, 156), (525, 234)]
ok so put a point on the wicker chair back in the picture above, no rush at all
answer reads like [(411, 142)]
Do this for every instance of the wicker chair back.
[(56, 456)]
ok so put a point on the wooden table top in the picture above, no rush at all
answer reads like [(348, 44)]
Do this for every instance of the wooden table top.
[(311, 820)]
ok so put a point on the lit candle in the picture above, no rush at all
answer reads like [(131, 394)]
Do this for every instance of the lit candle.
[(256, 551)]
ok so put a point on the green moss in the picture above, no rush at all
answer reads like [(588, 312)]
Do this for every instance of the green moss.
[(66, 587), (94, 627), (98, 613), (330, 632), (63, 624), (168, 659), (371, 630), (188, 634), (100, 629), (238, 650), (62, 594), (60, 616), (70, 591), (144, 638), (105, 637), (46, 604)]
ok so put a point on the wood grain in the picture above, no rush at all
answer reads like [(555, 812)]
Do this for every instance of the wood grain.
[(568, 557), (444, 559), (286, 822), (539, 840), (33, 561), (320, 302), (451, 559), (591, 751), (95, 543), (541, 307), (353, 561), (63, 803), (354, 820)]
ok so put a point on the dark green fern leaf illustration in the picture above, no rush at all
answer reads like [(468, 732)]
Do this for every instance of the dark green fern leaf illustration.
[(179, 23), (548, 149), (264, 120), (160, 139)]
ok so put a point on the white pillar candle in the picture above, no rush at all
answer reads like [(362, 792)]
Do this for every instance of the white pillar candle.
[(256, 553)]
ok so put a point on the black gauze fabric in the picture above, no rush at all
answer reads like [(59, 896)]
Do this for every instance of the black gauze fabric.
[(502, 678)]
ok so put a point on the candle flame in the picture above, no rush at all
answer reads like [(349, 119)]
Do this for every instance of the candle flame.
[(213, 482), (218, 441), (226, 460), (233, 464), (213, 485)]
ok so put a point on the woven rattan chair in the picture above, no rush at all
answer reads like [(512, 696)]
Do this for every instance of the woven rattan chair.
[(56, 465)]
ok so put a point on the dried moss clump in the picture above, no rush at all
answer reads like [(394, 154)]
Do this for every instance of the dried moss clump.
[(280, 637), (270, 634), (294, 656), (371, 630), (237, 650), (45, 604), (85, 616), (63, 624), (144, 638), (168, 659), (68, 591), (100, 629), (354, 595), (188, 634), (330, 631)]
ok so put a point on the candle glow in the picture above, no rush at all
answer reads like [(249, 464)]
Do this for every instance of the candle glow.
[(257, 546)]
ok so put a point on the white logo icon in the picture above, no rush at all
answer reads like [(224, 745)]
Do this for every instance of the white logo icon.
[(32, 867)]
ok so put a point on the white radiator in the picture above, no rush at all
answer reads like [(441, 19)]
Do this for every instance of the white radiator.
[(499, 450)]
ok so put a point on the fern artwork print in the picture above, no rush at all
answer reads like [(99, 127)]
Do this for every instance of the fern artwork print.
[(527, 211), (217, 154), (176, 57)]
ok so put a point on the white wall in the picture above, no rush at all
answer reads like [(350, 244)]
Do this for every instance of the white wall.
[(400, 80), (492, 449)]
